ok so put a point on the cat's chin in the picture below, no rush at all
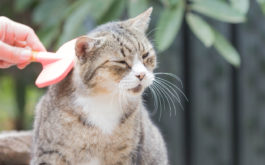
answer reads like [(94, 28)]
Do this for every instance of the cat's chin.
[(137, 90)]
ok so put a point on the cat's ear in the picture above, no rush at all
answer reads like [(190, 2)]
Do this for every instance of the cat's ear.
[(85, 44), (141, 22)]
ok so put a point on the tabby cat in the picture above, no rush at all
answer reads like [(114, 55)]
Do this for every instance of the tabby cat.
[(95, 116)]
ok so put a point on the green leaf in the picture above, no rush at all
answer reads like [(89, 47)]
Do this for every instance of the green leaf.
[(97, 8), (169, 3), (219, 10), (50, 12), (22, 5), (168, 26), (114, 11), (262, 5), (225, 48), (48, 35), (74, 6), (7, 96), (136, 7), (201, 29), (73, 26), (241, 5)]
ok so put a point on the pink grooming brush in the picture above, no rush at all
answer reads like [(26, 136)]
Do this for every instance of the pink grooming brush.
[(56, 66)]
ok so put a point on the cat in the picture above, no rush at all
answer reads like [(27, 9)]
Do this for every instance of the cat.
[(95, 116)]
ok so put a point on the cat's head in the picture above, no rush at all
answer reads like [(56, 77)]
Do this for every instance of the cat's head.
[(117, 57)]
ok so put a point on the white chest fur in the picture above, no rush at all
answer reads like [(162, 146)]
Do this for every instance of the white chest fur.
[(103, 112), (93, 161)]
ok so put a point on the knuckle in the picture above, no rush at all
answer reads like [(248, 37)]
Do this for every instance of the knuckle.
[(3, 18), (30, 30)]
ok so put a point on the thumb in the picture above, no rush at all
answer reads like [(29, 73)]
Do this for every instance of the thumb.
[(13, 54)]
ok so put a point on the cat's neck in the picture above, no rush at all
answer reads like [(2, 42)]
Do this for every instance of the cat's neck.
[(105, 111), (101, 111)]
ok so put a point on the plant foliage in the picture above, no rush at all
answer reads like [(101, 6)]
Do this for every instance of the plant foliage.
[(62, 20)]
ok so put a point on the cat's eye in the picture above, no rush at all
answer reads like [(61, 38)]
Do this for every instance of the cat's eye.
[(122, 62), (145, 55)]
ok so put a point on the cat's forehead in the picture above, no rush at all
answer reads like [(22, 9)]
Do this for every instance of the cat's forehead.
[(120, 36)]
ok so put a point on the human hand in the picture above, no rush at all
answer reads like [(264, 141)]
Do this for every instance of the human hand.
[(16, 43)]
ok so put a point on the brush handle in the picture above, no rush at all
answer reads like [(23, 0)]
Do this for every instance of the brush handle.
[(45, 57)]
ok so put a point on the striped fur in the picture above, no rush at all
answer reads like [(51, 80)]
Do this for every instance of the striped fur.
[(95, 115)]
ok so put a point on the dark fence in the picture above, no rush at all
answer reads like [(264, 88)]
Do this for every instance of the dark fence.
[(234, 86), (223, 123)]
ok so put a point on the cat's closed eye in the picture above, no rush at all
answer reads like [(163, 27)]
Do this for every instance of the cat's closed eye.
[(122, 62), (145, 55)]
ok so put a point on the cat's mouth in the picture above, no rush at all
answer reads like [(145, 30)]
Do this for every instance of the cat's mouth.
[(136, 89)]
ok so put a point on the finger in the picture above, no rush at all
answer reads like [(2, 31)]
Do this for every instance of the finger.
[(10, 36), (23, 65), (8, 31), (12, 32), (34, 42), (25, 33), (14, 54), (21, 44), (4, 64)]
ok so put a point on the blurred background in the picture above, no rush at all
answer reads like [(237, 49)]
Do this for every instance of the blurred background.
[(216, 47)]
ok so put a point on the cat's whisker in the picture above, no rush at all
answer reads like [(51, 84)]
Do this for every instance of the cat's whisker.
[(158, 97), (170, 75), (163, 94), (172, 99), (165, 90), (169, 93), (151, 31), (155, 42), (175, 86), (176, 95), (154, 95), (155, 101), (162, 99)]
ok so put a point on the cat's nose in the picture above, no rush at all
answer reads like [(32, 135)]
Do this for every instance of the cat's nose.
[(140, 76)]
